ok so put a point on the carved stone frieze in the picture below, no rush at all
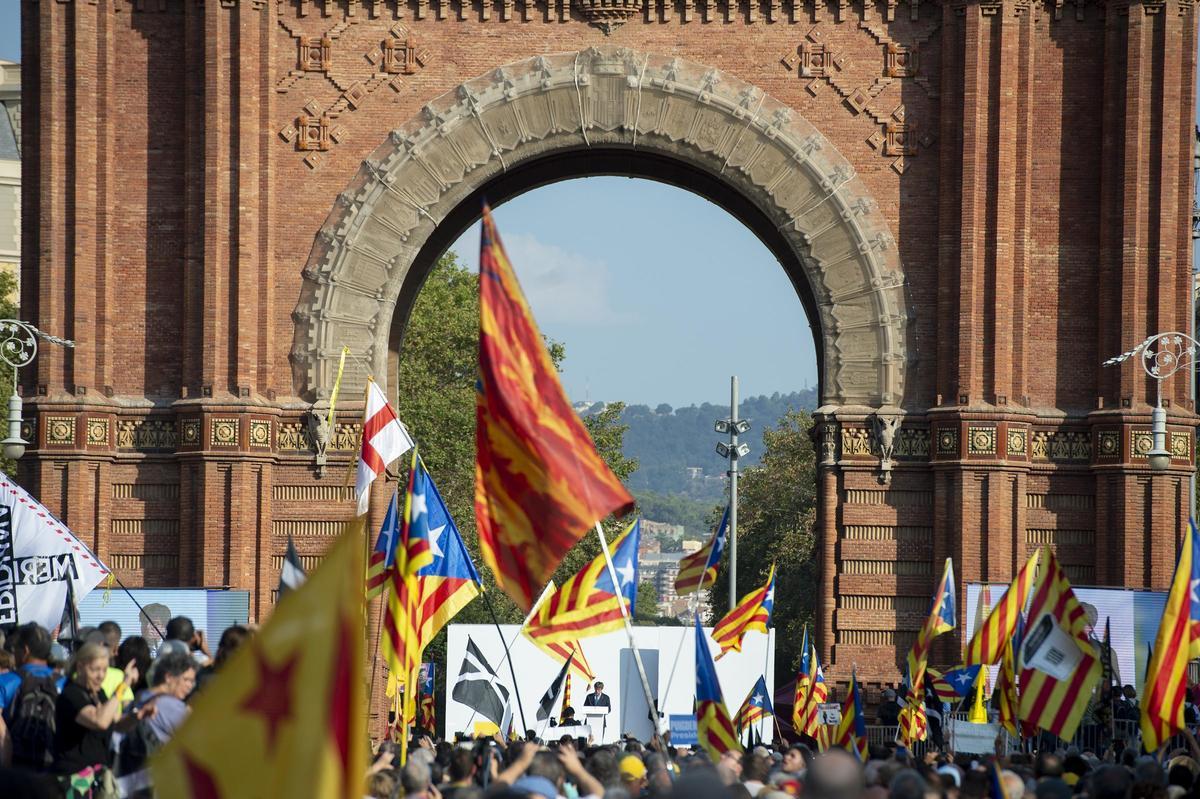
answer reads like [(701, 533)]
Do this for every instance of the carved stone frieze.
[(828, 435), (856, 442), (912, 443), (1061, 445), (666, 107), (158, 435), (981, 440)]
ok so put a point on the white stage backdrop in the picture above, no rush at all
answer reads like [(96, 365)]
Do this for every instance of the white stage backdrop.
[(612, 661)]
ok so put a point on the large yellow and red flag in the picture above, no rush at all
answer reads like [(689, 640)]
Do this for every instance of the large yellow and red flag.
[(540, 485), (1178, 641), (991, 638), (1060, 666), (286, 715), (562, 651)]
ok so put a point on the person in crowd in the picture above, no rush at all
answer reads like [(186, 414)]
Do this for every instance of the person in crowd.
[(153, 619), (31, 692), (181, 628), (174, 679), (110, 634), (231, 640), (597, 698), (85, 717), (888, 714), (137, 649), (633, 775)]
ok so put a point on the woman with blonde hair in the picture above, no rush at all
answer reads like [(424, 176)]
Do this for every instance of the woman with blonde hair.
[(85, 716)]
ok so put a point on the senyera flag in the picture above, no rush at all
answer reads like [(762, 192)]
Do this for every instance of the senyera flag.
[(540, 485), (1177, 643), (384, 440), (811, 691), (852, 731), (38, 556), (996, 632)]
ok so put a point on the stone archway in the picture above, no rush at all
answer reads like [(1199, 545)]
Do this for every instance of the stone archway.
[(612, 98)]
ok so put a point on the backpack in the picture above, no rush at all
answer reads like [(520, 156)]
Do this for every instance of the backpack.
[(32, 725), (136, 747)]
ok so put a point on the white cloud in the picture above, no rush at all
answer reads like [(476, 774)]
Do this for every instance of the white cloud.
[(562, 286)]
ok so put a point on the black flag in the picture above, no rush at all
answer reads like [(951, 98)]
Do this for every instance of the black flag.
[(546, 708), (292, 575), (477, 687)]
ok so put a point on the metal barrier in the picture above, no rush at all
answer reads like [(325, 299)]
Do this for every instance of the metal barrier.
[(1089, 737)]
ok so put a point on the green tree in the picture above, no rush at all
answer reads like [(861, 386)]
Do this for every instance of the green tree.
[(646, 609), (777, 503), (436, 400)]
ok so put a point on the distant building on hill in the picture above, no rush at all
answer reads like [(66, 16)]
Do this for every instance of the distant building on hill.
[(689, 546)]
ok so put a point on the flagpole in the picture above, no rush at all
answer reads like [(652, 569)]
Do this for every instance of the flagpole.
[(679, 649), (637, 656), (512, 671), (528, 618)]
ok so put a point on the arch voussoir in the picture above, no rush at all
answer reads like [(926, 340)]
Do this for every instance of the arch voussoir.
[(610, 98)]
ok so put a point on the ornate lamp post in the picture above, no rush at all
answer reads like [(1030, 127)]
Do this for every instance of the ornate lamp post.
[(1162, 355), (18, 347)]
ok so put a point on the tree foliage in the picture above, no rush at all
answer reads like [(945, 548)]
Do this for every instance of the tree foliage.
[(777, 503)]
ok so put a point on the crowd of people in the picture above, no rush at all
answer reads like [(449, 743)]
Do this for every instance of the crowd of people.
[(494, 769), (83, 711)]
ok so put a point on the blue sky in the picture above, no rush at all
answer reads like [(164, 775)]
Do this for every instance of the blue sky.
[(637, 280)]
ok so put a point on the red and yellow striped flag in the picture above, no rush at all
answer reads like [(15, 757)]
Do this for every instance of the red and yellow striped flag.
[(1008, 701), (993, 635), (1177, 643), (540, 485), (1060, 665), (714, 729), (753, 612)]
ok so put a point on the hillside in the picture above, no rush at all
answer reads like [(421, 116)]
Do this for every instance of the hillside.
[(675, 447)]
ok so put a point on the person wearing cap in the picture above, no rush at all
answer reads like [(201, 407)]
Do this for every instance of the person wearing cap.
[(633, 775), (889, 710)]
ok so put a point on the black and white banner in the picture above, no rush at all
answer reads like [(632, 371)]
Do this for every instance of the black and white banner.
[(38, 555)]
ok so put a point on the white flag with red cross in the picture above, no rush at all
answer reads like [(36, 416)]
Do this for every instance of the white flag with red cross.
[(384, 440)]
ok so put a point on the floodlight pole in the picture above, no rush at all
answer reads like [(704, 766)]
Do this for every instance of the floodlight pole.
[(733, 489)]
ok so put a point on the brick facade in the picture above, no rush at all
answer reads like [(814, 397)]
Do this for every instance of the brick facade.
[(1031, 160)]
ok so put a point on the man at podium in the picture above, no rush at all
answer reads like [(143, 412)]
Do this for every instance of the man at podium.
[(597, 698)]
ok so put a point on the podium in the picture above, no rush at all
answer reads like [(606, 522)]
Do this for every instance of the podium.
[(596, 718)]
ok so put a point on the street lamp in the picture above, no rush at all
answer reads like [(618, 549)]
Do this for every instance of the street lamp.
[(733, 426), (1162, 355), (18, 347)]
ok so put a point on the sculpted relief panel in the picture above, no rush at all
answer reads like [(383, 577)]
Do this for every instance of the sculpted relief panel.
[(611, 98)]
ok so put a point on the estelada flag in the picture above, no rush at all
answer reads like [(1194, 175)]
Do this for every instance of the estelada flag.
[(757, 706), (753, 612), (588, 603), (1177, 642), (714, 729), (852, 731), (286, 715), (807, 715), (942, 618), (1060, 666), (540, 485), (700, 567)]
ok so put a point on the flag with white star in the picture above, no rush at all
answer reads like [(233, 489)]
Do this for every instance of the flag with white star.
[(753, 612), (756, 707), (587, 603)]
